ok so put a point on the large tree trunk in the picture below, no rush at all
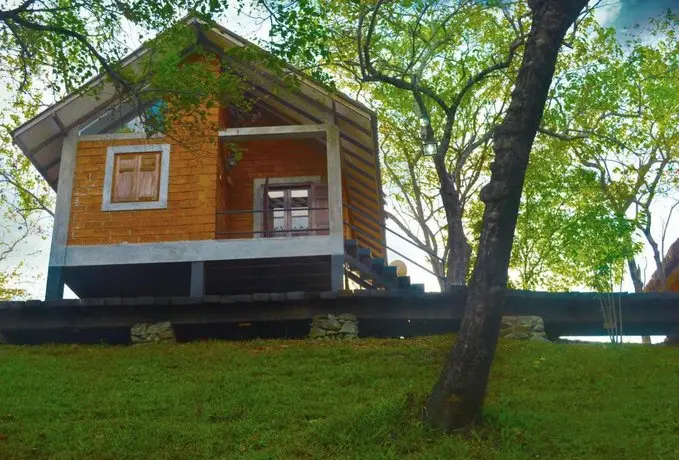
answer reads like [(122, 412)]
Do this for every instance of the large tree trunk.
[(457, 265), (457, 397)]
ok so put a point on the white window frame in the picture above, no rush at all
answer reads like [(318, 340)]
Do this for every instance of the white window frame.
[(111, 152), (258, 218)]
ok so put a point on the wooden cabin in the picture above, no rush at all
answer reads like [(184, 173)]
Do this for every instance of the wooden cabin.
[(301, 210)]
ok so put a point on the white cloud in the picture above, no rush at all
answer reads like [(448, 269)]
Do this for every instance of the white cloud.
[(607, 12)]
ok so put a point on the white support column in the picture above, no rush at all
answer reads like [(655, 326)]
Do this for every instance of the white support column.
[(334, 181), (62, 211), (335, 216)]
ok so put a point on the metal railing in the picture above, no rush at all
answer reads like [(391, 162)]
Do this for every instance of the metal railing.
[(316, 231), (271, 233)]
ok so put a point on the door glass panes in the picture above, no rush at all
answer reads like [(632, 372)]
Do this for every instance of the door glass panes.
[(277, 208), (299, 209), (289, 211)]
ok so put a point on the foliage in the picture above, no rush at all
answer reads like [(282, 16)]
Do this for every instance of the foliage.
[(567, 236), (25, 207), (619, 114), (306, 399)]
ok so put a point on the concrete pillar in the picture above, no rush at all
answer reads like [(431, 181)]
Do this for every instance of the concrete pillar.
[(334, 162), (336, 272), (197, 279), (55, 283)]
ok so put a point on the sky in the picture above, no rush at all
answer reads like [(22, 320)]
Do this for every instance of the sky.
[(622, 15), (627, 13)]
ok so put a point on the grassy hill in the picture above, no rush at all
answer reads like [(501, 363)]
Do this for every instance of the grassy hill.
[(303, 399)]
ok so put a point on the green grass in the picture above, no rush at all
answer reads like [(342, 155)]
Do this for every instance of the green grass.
[(304, 399)]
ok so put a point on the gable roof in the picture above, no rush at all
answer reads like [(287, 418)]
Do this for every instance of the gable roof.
[(670, 264), (40, 138)]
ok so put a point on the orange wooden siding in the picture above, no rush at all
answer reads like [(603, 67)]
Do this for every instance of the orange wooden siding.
[(190, 212)]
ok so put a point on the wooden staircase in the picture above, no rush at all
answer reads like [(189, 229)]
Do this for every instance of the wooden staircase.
[(371, 272)]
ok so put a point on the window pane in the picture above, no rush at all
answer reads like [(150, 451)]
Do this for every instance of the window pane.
[(124, 178), (276, 193), (277, 216), (148, 177), (300, 219), (276, 199), (279, 221), (300, 193)]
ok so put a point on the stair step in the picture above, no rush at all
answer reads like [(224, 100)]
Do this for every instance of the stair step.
[(377, 264), (403, 282), (365, 271), (351, 246), (389, 271), (363, 254), (417, 287)]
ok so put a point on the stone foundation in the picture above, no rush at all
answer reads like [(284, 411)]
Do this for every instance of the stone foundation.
[(344, 326), (523, 328), (152, 333)]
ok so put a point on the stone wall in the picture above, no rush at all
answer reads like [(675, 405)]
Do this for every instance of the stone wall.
[(152, 333), (523, 328), (344, 326)]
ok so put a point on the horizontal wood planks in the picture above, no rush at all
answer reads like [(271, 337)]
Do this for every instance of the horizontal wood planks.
[(563, 313)]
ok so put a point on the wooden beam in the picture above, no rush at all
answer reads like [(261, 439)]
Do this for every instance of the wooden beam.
[(274, 132), (563, 313)]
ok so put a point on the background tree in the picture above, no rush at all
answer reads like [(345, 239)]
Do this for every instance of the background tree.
[(25, 205), (450, 64), (566, 231), (626, 131)]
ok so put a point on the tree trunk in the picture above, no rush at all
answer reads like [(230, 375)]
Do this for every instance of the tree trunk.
[(659, 266), (457, 397), (635, 274), (439, 270), (460, 252)]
